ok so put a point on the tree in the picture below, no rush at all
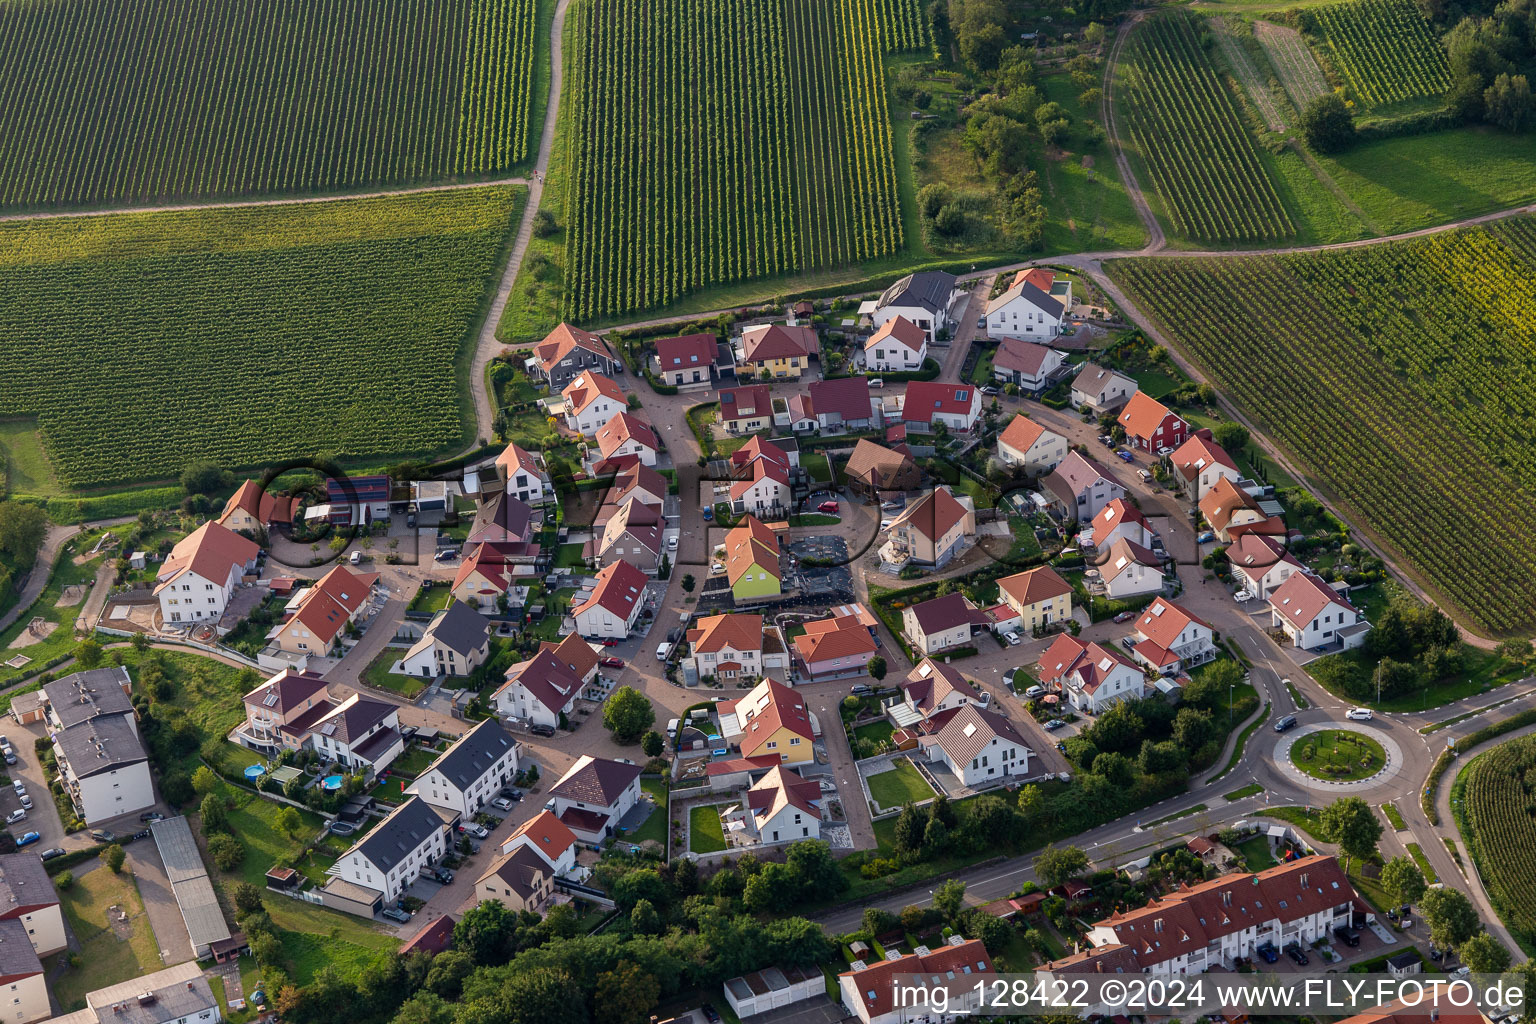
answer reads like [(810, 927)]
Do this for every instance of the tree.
[(909, 829), (88, 653), (247, 900), (215, 818), (1402, 879), (140, 642), (652, 743), (627, 994), (1056, 864), (1326, 124), (877, 668), (289, 820), (1192, 729), (688, 583), (1231, 436), (227, 851), (1452, 920), (949, 898), (878, 921), (643, 919), (1508, 103), (628, 714), (488, 933), (201, 477), (113, 857), (425, 1007), (22, 529), (994, 932), (204, 781), (1349, 822), (1093, 35), (1483, 954)]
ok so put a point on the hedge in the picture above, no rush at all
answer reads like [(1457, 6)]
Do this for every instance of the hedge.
[(72, 858), (929, 370), (1519, 720)]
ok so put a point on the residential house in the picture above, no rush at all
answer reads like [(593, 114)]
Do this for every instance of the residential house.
[(435, 938), (727, 648), (1045, 280), (359, 733), (1118, 520), (931, 402), (503, 519), (316, 617), (1129, 570), (770, 719), (485, 574), (899, 346), (199, 576), (1029, 366), (833, 648), (614, 604), (1099, 390), (356, 500), (762, 478), (21, 975), (870, 991), (626, 434), (279, 712), (776, 350), (930, 689), (1199, 463), (394, 853), (541, 690), (978, 747), (27, 896), (1150, 426), (254, 509), (1231, 511), (1039, 597), (1091, 676), (520, 881), (747, 409), (591, 400), (801, 413), (567, 352), (176, 995), (1025, 443), (523, 475), (1025, 310), (637, 481), (548, 836), (1079, 487), (688, 359), (634, 532), (941, 622), (1170, 640), (468, 775), (752, 562), (1209, 925), (780, 807), (97, 745), (873, 469), (843, 403), (1314, 615), (455, 643), (594, 795), (1261, 563), (924, 298), (931, 531)]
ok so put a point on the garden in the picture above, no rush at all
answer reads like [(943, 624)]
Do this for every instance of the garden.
[(1338, 755), (899, 785), (110, 949)]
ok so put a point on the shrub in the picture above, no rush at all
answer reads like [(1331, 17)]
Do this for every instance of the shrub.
[(227, 851)]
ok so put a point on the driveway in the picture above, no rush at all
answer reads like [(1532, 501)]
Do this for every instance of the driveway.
[(43, 818), (143, 859)]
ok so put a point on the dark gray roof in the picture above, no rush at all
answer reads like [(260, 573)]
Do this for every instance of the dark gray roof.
[(511, 514), (178, 850), (1040, 300), (190, 883), (24, 882), (474, 753), (16, 953), (393, 839), (459, 628), (100, 745), (84, 695), (176, 992), (596, 780), (354, 720), (929, 289)]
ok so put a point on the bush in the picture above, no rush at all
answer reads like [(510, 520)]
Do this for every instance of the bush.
[(1327, 125), (113, 856), (228, 852), (63, 881)]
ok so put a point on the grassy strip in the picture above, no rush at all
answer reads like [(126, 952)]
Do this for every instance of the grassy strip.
[(704, 832), (1450, 844), (1242, 740), (1301, 702), (1437, 726), (1431, 785), (1417, 853), (1252, 789), (1394, 816), (1176, 815)]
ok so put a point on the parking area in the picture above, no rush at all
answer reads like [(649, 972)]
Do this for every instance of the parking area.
[(43, 816)]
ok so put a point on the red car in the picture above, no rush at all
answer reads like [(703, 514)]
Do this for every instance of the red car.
[(829, 507), (610, 643), (612, 662)]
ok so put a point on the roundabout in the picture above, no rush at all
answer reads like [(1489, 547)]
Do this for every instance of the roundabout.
[(1334, 756)]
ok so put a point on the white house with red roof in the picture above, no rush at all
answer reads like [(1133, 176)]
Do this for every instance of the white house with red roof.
[(925, 298), (1026, 444), (593, 797), (930, 688), (540, 689), (634, 533), (546, 835), (727, 648), (930, 402), (627, 434), (1091, 676), (254, 508), (843, 403), (1079, 487), (567, 351), (613, 605), (686, 360), (762, 482), (834, 648), (1231, 511), (770, 719), (898, 346), (747, 409), (780, 807), (941, 622), (1025, 364), (1027, 309), (776, 350), (1314, 615), (199, 576), (591, 400), (869, 990), (1118, 520), (315, 617), (523, 475), (1199, 463), (979, 747), (1150, 426), (1129, 570), (1170, 639), (931, 531), (1261, 563)]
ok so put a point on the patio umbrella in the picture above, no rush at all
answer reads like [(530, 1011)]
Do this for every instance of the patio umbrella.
[(1050, 698)]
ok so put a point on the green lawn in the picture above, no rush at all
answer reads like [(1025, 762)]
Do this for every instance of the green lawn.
[(569, 557), (105, 959), (1338, 755), (431, 599), (1255, 853), (1394, 816), (1176, 815), (653, 828), (378, 674), (816, 464), (414, 761), (704, 832), (899, 785), (1482, 671), (814, 519), (875, 732), (25, 462), (1252, 789)]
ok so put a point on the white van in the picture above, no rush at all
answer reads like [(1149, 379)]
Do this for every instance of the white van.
[(662, 650), (672, 728)]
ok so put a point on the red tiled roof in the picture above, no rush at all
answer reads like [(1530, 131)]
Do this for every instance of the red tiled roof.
[(1162, 621), (747, 402), (927, 398), (1142, 416), (587, 386), (259, 503), (1223, 501), (1022, 433), (1303, 597), (686, 352), (619, 587), (1090, 662), (210, 551), (595, 780), (777, 341), (826, 639), (623, 427), (876, 983), (491, 561), (513, 458), (1026, 357), (933, 515), (942, 613), (287, 689), (1038, 276), (547, 834), (324, 608), (741, 764), (739, 631), (848, 397), (768, 707), (1113, 514), (564, 339), (1034, 585), (1198, 454), (783, 787), (1125, 553), (899, 328)]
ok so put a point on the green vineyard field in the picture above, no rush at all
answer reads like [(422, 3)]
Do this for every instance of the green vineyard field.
[(123, 102), (712, 141), (1498, 826), (1403, 375), (1383, 49), (142, 341), (1184, 123)]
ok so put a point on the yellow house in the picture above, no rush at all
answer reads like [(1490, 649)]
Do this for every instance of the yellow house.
[(774, 350), (770, 719), (1040, 597)]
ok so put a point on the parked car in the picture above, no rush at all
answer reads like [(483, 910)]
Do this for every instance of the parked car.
[(542, 730), (861, 690), (151, 816), (26, 801), (1268, 952), (885, 524), (19, 786), (1359, 714), (1054, 724), (1061, 745), (1125, 456), (1297, 956), (514, 795), (442, 875), (1013, 638), (1033, 692), (10, 757), (662, 650), (502, 803), (1288, 722), (447, 555), (1242, 596), (876, 382), (1125, 617), (27, 839), (1146, 477), (1205, 537), (1128, 642), (410, 521), (981, 325), (142, 833), (1348, 936), (395, 914), (474, 828), (709, 512), (101, 835), (672, 542), (986, 698), (1435, 953), (611, 662), (990, 390), (1106, 441), (829, 507), (52, 852), (15, 816)]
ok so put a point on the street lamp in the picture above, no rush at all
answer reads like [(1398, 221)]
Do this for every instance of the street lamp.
[(1231, 691)]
